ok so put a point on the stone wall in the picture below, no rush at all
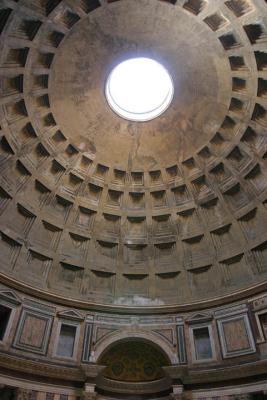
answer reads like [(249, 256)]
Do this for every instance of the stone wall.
[(200, 347)]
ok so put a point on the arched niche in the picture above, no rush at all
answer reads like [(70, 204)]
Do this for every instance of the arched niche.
[(151, 338), (134, 360)]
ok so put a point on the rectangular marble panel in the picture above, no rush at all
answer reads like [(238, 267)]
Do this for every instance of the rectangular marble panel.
[(181, 344), (87, 342), (33, 331), (236, 336)]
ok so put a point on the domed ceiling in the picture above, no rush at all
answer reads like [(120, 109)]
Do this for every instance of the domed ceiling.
[(100, 209)]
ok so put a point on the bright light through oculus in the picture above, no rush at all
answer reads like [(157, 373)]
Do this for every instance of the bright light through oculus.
[(139, 89)]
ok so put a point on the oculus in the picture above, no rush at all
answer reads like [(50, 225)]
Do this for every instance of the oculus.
[(139, 89)]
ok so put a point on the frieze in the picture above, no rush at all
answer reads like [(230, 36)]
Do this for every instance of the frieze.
[(40, 307), (114, 319), (156, 320), (227, 311)]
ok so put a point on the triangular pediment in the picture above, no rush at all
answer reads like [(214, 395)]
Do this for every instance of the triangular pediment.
[(198, 318), (71, 314), (10, 296)]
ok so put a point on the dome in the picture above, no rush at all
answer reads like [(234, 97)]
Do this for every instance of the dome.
[(108, 212), (101, 208)]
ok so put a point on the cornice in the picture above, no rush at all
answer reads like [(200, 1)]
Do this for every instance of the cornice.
[(217, 374), (187, 376), (125, 309), (40, 368)]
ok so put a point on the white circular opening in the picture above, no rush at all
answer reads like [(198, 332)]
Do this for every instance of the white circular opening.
[(139, 89)]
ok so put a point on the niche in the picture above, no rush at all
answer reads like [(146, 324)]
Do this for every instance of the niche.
[(202, 343), (66, 340)]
